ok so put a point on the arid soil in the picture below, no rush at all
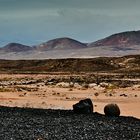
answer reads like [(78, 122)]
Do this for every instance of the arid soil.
[(49, 92)]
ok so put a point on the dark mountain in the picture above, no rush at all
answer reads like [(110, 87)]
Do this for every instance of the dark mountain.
[(124, 39), (60, 44), (15, 47)]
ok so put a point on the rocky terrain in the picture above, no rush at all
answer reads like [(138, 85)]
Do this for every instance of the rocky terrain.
[(38, 124), (62, 91), (127, 65), (55, 91)]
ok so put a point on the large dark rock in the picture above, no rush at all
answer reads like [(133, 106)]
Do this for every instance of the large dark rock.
[(83, 106), (112, 110)]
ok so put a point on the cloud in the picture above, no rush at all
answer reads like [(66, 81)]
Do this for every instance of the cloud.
[(29, 14), (33, 20)]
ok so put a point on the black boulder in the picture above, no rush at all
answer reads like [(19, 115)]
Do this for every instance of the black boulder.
[(83, 107)]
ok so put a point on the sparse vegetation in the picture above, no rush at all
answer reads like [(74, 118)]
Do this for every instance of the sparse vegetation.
[(96, 94), (70, 89), (23, 88), (102, 64), (5, 89), (93, 70)]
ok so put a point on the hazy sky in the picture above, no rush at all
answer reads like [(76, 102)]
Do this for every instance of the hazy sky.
[(35, 21)]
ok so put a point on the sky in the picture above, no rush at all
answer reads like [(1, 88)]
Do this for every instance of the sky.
[(32, 22)]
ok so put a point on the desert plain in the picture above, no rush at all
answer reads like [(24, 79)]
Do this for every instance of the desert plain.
[(61, 91)]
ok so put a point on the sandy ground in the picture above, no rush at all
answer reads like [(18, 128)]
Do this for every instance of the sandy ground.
[(50, 96)]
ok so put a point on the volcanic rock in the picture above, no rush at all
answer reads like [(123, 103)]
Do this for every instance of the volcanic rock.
[(112, 110), (83, 107)]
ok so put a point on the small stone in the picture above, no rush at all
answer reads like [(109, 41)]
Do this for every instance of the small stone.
[(96, 94)]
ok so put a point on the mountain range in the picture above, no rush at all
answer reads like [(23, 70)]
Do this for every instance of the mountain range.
[(124, 43)]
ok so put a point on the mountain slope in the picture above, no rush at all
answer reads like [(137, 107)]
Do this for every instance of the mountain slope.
[(60, 44), (124, 39)]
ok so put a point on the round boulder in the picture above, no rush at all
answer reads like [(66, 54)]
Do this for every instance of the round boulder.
[(112, 110)]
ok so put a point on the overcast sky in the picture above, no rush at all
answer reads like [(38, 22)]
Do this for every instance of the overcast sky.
[(35, 21)]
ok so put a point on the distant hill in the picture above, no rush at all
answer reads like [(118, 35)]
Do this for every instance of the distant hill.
[(120, 44), (124, 39), (15, 47), (60, 44)]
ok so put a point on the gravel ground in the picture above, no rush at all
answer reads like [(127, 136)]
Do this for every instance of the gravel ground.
[(39, 124)]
